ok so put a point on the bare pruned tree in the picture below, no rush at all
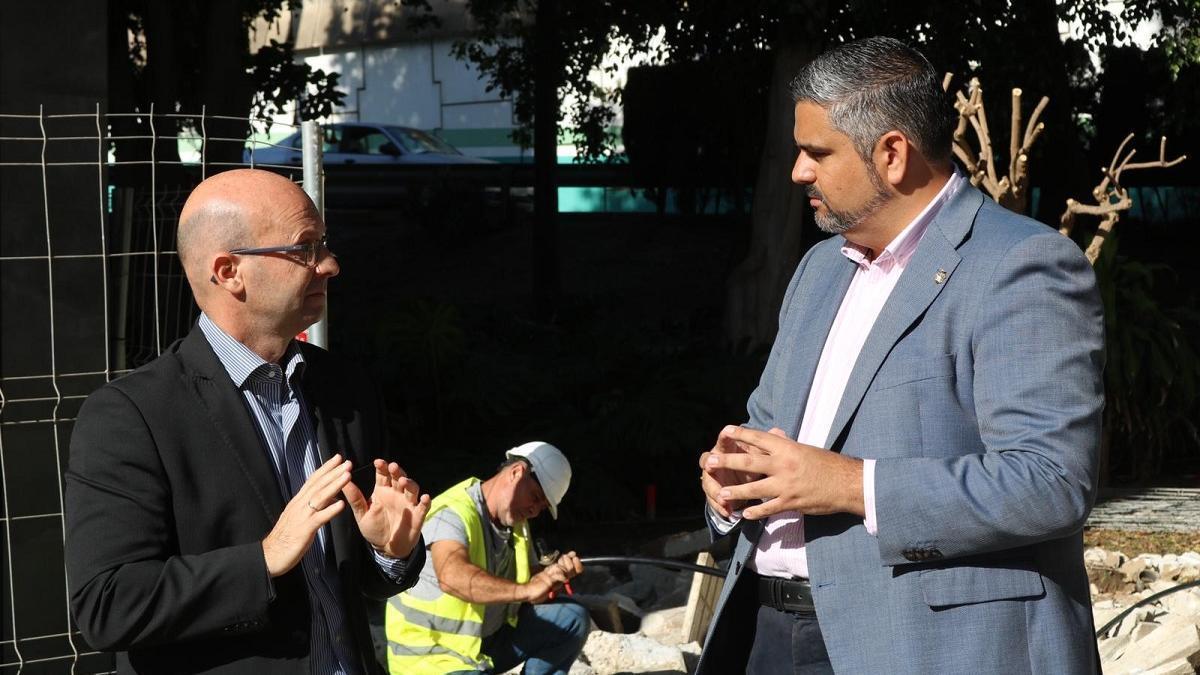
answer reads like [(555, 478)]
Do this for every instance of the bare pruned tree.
[(1111, 197), (1123, 417), (1010, 191)]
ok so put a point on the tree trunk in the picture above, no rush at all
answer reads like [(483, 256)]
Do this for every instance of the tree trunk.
[(163, 76), (548, 68), (225, 87), (123, 98), (757, 284), (1060, 168)]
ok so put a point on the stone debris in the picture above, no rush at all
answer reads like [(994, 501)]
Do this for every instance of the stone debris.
[(612, 612), (577, 668), (664, 625), (681, 545), (655, 587), (631, 653), (1177, 667), (1160, 637), (637, 624), (1113, 648), (1176, 640)]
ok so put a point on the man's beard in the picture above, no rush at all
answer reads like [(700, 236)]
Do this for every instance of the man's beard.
[(840, 222)]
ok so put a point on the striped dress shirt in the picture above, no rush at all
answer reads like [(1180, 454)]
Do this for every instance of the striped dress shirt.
[(274, 398)]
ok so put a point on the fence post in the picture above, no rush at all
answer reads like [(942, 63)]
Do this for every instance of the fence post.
[(314, 185)]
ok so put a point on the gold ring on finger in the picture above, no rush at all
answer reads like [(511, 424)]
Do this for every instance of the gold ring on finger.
[(312, 506)]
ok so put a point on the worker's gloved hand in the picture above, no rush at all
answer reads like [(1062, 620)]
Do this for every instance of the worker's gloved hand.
[(540, 587)]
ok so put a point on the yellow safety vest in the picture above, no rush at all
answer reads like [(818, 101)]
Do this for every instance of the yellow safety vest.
[(433, 637)]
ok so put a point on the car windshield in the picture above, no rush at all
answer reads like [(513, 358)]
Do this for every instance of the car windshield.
[(417, 142)]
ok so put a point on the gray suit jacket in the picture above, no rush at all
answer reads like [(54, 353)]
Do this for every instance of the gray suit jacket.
[(980, 397)]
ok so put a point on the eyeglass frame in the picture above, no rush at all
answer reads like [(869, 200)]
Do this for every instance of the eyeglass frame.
[(313, 246)]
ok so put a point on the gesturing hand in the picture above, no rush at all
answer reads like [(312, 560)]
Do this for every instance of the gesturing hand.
[(315, 504), (391, 520), (794, 476)]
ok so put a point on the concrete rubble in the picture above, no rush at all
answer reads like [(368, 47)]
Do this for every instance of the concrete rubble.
[(1159, 637), (638, 613)]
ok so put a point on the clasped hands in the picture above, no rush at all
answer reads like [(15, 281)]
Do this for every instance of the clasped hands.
[(390, 521), (746, 465)]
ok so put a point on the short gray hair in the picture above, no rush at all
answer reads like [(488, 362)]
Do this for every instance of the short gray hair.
[(872, 86)]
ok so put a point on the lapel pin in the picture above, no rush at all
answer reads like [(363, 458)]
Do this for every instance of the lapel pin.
[(939, 277)]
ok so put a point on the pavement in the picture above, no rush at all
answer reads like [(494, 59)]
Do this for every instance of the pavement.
[(1148, 509)]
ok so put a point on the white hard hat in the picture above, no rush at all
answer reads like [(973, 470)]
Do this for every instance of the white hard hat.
[(550, 467)]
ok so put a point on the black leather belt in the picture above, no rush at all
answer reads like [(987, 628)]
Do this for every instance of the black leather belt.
[(788, 595)]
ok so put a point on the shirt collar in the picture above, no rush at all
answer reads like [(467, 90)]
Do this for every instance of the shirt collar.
[(904, 244), (240, 361)]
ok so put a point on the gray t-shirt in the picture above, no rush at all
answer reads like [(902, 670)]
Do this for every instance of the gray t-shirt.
[(498, 544)]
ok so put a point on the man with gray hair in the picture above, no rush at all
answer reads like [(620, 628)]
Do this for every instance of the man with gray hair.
[(910, 489)]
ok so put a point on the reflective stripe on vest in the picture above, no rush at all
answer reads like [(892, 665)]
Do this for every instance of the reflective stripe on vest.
[(433, 637)]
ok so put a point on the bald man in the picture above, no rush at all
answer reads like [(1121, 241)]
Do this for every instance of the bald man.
[(215, 520)]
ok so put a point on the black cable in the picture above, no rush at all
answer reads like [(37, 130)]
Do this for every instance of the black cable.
[(1145, 601), (657, 562)]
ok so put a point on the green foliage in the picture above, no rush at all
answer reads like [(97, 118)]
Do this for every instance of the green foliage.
[(503, 50), (1152, 378), (969, 38), (282, 81), (171, 62), (1152, 375), (1180, 36)]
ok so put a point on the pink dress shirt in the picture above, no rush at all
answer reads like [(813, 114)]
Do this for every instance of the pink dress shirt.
[(781, 548)]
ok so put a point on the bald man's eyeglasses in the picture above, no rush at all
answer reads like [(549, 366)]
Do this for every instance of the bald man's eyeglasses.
[(308, 253)]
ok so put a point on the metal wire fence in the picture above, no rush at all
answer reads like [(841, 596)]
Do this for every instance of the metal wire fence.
[(90, 288)]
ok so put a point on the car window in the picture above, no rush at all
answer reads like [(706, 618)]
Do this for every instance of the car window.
[(417, 142), (294, 141), (362, 141), (332, 139)]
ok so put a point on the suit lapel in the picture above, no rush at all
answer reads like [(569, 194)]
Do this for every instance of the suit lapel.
[(229, 419), (323, 425), (327, 429), (807, 330), (928, 272)]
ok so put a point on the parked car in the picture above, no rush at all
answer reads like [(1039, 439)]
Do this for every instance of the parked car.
[(399, 174), (365, 143)]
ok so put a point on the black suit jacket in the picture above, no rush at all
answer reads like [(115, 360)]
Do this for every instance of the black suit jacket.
[(169, 494)]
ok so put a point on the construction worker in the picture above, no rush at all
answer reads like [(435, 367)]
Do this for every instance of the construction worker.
[(480, 604)]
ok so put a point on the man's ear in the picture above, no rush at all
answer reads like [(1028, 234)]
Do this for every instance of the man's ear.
[(517, 471), (892, 154), (224, 268)]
